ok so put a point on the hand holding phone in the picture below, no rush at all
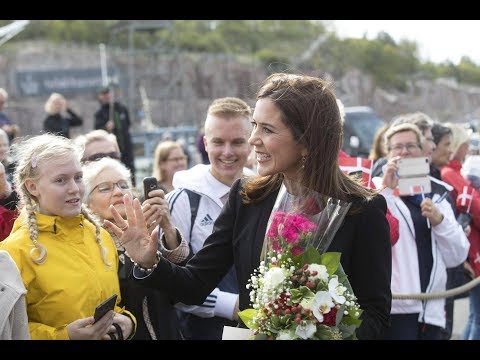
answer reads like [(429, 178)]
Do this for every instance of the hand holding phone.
[(413, 176), (105, 307), (149, 183)]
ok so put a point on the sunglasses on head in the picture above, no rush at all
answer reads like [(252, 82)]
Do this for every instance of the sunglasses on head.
[(95, 157)]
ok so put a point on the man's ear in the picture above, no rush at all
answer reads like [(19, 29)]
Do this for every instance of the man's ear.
[(205, 142), (31, 187)]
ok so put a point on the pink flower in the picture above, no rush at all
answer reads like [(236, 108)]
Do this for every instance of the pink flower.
[(290, 234), (297, 250)]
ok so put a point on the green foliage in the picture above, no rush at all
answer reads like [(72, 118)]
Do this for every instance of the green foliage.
[(276, 44)]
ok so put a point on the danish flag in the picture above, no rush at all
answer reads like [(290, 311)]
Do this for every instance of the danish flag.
[(464, 200), (351, 165)]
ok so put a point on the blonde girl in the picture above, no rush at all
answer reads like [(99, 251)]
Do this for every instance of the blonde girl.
[(67, 261)]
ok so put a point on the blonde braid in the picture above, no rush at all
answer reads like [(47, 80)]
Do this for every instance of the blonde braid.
[(90, 217), (33, 229)]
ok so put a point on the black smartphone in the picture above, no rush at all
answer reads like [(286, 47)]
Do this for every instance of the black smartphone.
[(464, 219), (149, 183), (105, 307)]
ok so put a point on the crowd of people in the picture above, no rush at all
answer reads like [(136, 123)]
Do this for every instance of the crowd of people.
[(180, 256)]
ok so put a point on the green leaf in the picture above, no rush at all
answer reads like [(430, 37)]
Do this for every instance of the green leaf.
[(260, 336), (303, 292), (276, 323), (339, 316), (323, 332), (247, 316), (351, 320), (331, 260), (347, 330), (310, 256)]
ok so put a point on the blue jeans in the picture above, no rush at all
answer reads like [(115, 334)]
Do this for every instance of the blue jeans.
[(472, 329)]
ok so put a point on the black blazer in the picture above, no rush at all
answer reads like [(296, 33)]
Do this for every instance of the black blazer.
[(237, 238)]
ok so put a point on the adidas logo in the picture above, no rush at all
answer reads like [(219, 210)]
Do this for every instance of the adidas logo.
[(207, 220)]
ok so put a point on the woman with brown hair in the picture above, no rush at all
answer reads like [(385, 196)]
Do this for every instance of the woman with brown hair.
[(297, 133), (169, 158)]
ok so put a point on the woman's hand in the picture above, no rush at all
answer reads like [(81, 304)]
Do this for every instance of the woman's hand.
[(141, 246), (390, 178), (125, 324), (431, 212), (155, 210), (85, 329)]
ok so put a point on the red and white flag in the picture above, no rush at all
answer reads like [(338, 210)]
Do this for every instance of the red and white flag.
[(351, 165), (464, 200), (416, 189)]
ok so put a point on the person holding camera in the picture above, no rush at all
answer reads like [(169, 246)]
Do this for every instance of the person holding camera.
[(106, 181), (430, 241), (467, 199)]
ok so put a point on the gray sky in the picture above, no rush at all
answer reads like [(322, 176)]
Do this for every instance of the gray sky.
[(438, 40)]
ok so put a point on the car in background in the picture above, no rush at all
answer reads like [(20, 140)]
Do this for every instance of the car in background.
[(360, 127)]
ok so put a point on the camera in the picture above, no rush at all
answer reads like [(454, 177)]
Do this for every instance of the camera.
[(413, 176)]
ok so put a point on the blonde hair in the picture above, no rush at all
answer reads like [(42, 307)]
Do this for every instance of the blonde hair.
[(228, 107), (31, 154), (459, 136), (392, 130), (94, 136), (50, 104), (162, 152), (3, 94)]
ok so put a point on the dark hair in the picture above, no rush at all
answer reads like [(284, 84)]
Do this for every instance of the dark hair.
[(309, 108), (439, 131)]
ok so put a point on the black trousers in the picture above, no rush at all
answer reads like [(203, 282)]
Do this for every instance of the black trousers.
[(407, 327)]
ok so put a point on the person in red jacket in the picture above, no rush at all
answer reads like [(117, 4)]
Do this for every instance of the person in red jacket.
[(467, 200)]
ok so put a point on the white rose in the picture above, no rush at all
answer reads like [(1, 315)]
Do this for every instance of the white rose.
[(321, 270)]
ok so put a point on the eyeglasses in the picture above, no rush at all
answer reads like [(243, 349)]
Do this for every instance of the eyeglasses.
[(176, 159), (109, 186), (399, 147), (95, 157)]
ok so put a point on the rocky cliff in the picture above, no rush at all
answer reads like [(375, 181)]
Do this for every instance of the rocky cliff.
[(180, 86)]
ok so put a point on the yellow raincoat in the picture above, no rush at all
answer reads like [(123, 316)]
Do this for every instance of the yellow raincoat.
[(72, 281)]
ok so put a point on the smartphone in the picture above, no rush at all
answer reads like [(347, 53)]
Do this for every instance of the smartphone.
[(413, 167), (105, 307), (464, 219), (149, 183), (414, 185)]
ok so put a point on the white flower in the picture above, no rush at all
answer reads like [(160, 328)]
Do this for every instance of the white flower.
[(321, 270), (273, 278), (322, 303), (306, 329), (336, 290), (285, 335)]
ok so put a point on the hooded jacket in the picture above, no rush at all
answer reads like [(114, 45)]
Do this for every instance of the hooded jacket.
[(72, 281), (449, 248)]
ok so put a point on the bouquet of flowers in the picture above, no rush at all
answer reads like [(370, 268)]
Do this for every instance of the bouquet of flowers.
[(300, 291)]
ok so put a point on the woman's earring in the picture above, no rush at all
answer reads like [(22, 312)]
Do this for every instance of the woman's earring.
[(304, 160)]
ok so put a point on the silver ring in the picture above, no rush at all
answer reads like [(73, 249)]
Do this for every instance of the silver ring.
[(153, 222), (125, 227)]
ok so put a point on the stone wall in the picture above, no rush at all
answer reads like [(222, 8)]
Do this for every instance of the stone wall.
[(180, 86)]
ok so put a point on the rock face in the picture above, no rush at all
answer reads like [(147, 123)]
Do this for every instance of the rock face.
[(179, 87)]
